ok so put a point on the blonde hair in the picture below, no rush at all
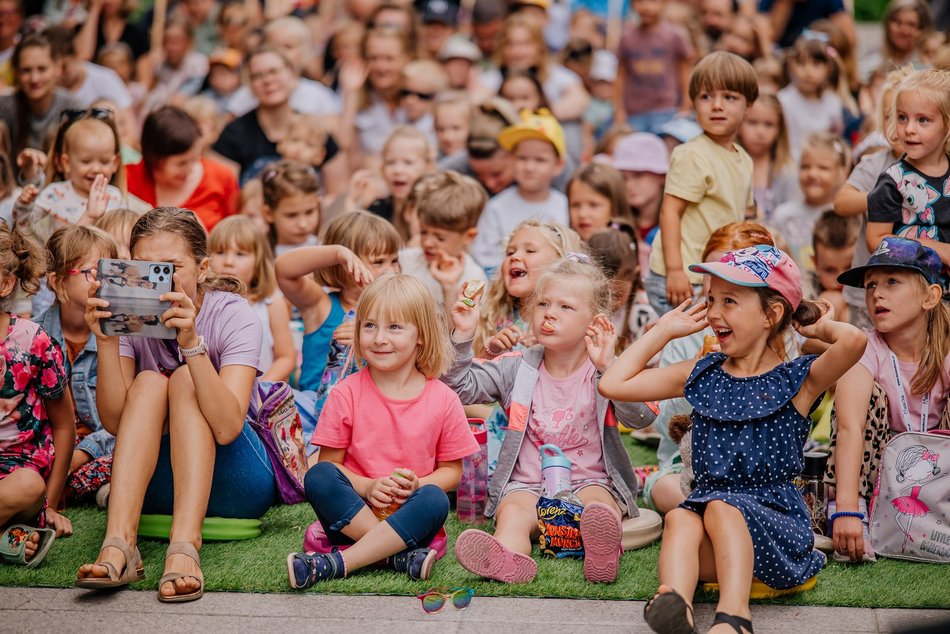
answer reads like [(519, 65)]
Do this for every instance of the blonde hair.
[(67, 131), (888, 95), (831, 143), (932, 85), (518, 21), (118, 222), (364, 234), (313, 125), (452, 201), (453, 98), (429, 71), (498, 305), (571, 267), (413, 134), (23, 258), (69, 246), (241, 232), (781, 154), (403, 298)]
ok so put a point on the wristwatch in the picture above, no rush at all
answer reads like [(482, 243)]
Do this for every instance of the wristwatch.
[(194, 352)]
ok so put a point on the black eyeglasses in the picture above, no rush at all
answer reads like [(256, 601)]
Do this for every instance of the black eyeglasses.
[(74, 114), (425, 96)]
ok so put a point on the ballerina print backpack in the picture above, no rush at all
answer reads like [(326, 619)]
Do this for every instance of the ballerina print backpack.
[(910, 509)]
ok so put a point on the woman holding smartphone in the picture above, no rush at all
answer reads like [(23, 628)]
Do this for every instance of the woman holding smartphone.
[(177, 408)]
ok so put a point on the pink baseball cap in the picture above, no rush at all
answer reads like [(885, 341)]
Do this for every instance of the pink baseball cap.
[(761, 266), (641, 152)]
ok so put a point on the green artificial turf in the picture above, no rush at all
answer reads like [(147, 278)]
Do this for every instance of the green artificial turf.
[(258, 565)]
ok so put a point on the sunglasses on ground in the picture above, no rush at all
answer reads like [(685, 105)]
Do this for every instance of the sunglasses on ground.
[(434, 600)]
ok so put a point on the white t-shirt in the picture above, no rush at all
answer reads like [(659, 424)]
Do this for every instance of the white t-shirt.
[(795, 223), (412, 261), (102, 83), (309, 97), (503, 213), (804, 116)]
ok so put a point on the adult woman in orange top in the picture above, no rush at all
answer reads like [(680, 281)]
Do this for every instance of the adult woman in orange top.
[(173, 173)]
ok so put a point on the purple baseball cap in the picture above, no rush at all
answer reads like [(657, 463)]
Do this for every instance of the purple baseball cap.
[(900, 253), (761, 266)]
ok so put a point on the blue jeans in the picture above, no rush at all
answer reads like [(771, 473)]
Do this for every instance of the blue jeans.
[(242, 485), (97, 444), (650, 121), (336, 503)]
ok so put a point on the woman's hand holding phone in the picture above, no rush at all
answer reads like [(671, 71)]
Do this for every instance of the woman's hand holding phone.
[(181, 316)]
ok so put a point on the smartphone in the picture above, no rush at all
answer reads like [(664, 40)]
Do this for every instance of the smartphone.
[(132, 289)]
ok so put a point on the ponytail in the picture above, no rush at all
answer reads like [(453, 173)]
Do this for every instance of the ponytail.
[(807, 313)]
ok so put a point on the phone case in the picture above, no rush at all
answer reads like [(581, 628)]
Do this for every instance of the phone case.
[(133, 289)]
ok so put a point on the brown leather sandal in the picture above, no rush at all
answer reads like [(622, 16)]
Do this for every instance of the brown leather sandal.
[(133, 571), (187, 549)]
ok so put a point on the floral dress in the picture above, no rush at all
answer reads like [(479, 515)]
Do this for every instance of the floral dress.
[(31, 365), (747, 447)]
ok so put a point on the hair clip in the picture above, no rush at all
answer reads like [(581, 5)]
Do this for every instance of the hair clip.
[(574, 256), (832, 53), (615, 226), (269, 174), (818, 36)]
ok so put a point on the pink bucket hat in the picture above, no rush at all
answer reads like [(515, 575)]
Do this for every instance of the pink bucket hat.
[(641, 152), (760, 266)]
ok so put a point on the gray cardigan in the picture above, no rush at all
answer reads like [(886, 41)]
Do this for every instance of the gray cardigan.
[(510, 379)]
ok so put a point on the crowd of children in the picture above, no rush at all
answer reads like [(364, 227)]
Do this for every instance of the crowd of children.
[(416, 215)]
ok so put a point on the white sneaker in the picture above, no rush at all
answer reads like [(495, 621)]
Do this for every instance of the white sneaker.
[(102, 496)]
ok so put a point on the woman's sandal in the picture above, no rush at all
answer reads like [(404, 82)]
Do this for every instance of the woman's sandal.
[(133, 571), (13, 544), (739, 624), (669, 613), (187, 549)]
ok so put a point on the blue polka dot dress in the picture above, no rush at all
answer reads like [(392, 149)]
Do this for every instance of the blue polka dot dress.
[(747, 447)]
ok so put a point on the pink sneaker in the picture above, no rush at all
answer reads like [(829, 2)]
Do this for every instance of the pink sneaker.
[(602, 535), (483, 555)]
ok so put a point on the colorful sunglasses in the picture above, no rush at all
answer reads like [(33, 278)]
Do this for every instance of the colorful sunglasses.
[(434, 600)]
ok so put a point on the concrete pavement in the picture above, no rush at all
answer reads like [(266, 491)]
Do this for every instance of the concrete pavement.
[(62, 611)]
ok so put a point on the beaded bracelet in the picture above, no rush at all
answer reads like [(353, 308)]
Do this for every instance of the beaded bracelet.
[(856, 514)]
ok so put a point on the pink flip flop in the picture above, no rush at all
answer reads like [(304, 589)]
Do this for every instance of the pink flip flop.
[(483, 555), (602, 535)]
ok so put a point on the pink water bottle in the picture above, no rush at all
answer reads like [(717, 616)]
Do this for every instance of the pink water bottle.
[(473, 489), (555, 470)]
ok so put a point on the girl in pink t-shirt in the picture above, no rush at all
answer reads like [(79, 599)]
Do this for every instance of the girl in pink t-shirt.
[(392, 438), (907, 359), (550, 392)]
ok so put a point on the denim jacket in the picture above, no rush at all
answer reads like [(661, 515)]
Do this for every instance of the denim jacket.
[(82, 372)]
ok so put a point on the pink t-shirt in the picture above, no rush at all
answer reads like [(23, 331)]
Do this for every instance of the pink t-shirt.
[(563, 413), (381, 434), (877, 360)]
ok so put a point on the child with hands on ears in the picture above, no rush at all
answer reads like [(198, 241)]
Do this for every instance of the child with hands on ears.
[(745, 518), (177, 409), (550, 393), (392, 438)]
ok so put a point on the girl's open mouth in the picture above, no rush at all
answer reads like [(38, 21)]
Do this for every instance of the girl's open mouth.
[(547, 328), (722, 334), (516, 273)]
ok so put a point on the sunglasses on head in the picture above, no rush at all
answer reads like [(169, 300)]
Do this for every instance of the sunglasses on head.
[(425, 96), (73, 114), (434, 600)]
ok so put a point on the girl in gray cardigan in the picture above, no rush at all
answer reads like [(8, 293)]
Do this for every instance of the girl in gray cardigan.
[(550, 393)]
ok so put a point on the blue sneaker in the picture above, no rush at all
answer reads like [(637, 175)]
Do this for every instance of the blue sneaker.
[(416, 563), (304, 570)]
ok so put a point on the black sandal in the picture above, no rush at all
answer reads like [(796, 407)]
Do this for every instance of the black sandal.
[(737, 622), (669, 613)]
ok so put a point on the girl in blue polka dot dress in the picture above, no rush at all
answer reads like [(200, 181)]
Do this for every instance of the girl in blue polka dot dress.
[(744, 519)]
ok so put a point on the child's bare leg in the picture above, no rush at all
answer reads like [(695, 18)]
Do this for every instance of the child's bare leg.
[(376, 544), (685, 554), (666, 493), (21, 497), (732, 546), (597, 493), (516, 521), (80, 458), (192, 448), (133, 463)]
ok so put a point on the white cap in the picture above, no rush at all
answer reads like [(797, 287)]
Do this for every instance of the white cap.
[(604, 66)]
